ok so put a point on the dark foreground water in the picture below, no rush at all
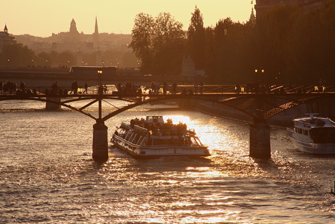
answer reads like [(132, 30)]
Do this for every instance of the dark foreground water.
[(47, 174)]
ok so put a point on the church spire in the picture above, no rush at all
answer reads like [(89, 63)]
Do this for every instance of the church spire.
[(96, 26), (5, 29), (96, 38)]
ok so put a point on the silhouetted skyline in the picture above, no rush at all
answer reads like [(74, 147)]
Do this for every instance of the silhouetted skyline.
[(42, 18)]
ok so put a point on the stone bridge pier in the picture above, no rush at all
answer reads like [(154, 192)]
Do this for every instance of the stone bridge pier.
[(259, 144), (100, 142), (52, 106)]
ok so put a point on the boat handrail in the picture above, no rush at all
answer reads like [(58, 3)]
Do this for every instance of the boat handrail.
[(126, 141), (312, 115)]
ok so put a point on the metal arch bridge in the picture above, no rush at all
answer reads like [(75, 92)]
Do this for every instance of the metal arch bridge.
[(256, 106)]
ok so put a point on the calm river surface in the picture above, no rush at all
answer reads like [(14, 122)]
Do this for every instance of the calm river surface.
[(47, 174)]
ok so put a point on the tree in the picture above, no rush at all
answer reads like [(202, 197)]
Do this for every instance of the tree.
[(44, 59), (312, 47), (158, 43), (17, 55), (168, 45), (196, 39), (142, 35), (273, 30)]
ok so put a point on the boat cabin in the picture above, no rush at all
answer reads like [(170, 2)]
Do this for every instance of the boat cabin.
[(155, 119), (316, 128)]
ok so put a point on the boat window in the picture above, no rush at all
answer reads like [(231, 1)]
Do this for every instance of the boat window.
[(160, 141), (323, 135), (305, 132)]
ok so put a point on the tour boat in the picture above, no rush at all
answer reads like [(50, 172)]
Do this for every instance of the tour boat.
[(313, 134), (153, 138)]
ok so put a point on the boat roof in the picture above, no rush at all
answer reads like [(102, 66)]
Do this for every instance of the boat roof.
[(154, 119), (314, 121)]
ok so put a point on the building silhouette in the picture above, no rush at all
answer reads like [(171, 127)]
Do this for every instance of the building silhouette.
[(304, 5), (6, 38)]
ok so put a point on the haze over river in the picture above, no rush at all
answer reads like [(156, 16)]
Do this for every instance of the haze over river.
[(47, 174)]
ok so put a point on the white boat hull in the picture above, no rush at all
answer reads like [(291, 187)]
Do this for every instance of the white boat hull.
[(313, 135), (314, 148), (155, 152), (160, 151)]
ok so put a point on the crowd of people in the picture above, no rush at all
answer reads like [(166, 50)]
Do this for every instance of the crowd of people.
[(158, 128), (9, 87), (128, 87)]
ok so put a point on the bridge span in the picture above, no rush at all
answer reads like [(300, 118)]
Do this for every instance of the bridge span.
[(258, 106)]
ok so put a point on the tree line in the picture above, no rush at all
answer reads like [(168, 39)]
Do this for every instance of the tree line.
[(281, 45), (18, 55)]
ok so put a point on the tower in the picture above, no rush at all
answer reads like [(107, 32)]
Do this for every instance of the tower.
[(96, 38), (252, 19), (74, 35), (73, 27)]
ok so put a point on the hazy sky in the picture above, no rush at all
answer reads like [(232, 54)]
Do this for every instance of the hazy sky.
[(44, 17)]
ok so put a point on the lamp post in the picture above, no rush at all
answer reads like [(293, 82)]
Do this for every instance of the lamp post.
[(262, 72), (100, 89), (263, 76)]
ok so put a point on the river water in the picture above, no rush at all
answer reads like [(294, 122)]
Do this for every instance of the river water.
[(47, 173)]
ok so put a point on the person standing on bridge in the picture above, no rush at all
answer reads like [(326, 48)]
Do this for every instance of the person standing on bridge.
[(165, 85), (22, 86), (86, 87), (174, 88), (157, 87)]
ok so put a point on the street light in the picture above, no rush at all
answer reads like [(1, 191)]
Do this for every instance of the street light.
[(263, 76), (262, 71), (100, 83)]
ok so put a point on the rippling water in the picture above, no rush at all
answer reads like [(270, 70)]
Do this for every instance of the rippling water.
[(47, 174)]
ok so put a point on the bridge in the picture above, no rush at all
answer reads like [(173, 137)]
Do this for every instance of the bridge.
[(259, 105)]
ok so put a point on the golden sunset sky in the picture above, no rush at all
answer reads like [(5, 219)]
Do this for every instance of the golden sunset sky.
[(44, 17)]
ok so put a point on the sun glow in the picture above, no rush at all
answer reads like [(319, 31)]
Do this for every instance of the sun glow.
[(178, 118)]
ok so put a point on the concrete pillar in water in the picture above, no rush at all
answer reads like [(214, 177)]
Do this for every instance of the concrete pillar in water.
[(100, 142), (260, 139), (53, 106)]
